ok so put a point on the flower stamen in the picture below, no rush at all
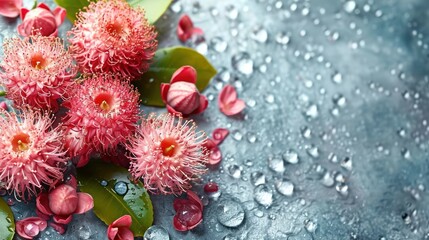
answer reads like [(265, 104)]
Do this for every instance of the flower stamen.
[(20, 142)]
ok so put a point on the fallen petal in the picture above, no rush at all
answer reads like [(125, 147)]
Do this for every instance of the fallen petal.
[(63, 219), (60, 228), (219, 134), (227, 95), (184, 28), (30, 227), (85, 203), (193, 198), (215, 156), (234, 108)]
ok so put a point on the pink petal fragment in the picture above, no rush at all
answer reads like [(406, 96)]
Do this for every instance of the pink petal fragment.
[(186, 74), (42, 204), (184, 28), (215, 156), (164, 91), (30, 227), (60, 228), (193, 198), (10, 8), (178, 225), (234, 108), (23, 12), (59, 14), (227, 95), (63, 219), (43, 5), (124, 221), (219, 134), (85, 203)]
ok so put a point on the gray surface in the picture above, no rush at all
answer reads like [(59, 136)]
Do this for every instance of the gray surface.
[(294, 103)]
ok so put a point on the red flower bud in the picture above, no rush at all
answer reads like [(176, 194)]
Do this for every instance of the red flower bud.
[(41, 20), (63, 200)]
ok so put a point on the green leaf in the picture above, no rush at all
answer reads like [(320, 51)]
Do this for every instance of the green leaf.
[(7, 221), (73, 7), (165, 63), (153, 8), (108, 205)]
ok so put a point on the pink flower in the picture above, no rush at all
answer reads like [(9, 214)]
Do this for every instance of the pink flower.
[(112, 37), (181, 95), (120, 229), (168, 154), (36, 71), (103, 112), (10, 8), (189, 212), (41, 20), (31, 152), (29, 228), (228, 102), (186, 29), (61, 203)]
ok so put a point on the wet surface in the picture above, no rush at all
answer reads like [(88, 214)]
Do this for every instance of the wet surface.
[(333, 142)]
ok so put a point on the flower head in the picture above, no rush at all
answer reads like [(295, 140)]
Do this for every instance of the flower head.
[(36, 71), (103, 112), (31, 153), (168, 154), (181, 95), (120, 229), (41, 20), (112, 37), (10, 8)]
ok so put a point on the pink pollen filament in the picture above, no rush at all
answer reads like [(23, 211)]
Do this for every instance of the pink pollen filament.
[(104, 101), (20, 142), (169, 147), (37, 61)]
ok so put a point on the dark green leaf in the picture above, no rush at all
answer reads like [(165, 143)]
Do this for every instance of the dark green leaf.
[(153, 8), (7, 221), (108, 205), (165, 63), (72, 7)]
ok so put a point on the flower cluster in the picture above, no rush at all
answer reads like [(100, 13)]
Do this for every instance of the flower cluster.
[(77, 102)]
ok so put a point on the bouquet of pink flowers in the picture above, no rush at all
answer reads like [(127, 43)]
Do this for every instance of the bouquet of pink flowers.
[(79, 107)]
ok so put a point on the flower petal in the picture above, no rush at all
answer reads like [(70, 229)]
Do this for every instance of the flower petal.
[(172, 111), (219, 134), (186, 74), (63, 219), (193, 198), (164, 91), (215, 156), (178, 203), (30, 227), (235, 108), (42, 204), (125, 234), (85, 203), (184, 28), (23, 12), (63, 200), (227, 95), (59, 14), (203, 105), (60, 228), (112, 232), (178, 225), (10, 8), (124, 221), (44, 6)]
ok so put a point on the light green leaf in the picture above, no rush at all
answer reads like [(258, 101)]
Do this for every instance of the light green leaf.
[(108, 205), (7, 221), (153, 8), (165, 63), (72, 7)]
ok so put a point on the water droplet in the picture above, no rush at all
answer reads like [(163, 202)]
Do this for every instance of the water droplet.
[(121, 188), (349, 6), (339, 100), (347, 164), (234, 171), (310, 226), (328, 180), (211, 187), (276, 164), (402, 132), (312, 111), (285, 187), (243, 63), (218, 44), (230, 213), (257, 178), (251, 137), (378, 13), (406, 153), (305, 11), (231, 12), (224, 75), (237, 135), (291, 157), (282, 38), (199, 43), (156, 232), (259, 34), (269, 98), (342, 189), (103, 183), (313, 151), (337, 78), (263, 195), (306, 132)]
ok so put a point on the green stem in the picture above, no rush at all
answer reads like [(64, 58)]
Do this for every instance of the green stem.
[(2, 93)]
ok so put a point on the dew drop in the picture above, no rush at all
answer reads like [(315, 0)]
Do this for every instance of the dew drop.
[(285, 187), (230, 213), (290, 156), (349, 6), (234, 171), (121, 188), (242, 63), (218, 44), (263, 195), (257, 178), (156, 232)]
